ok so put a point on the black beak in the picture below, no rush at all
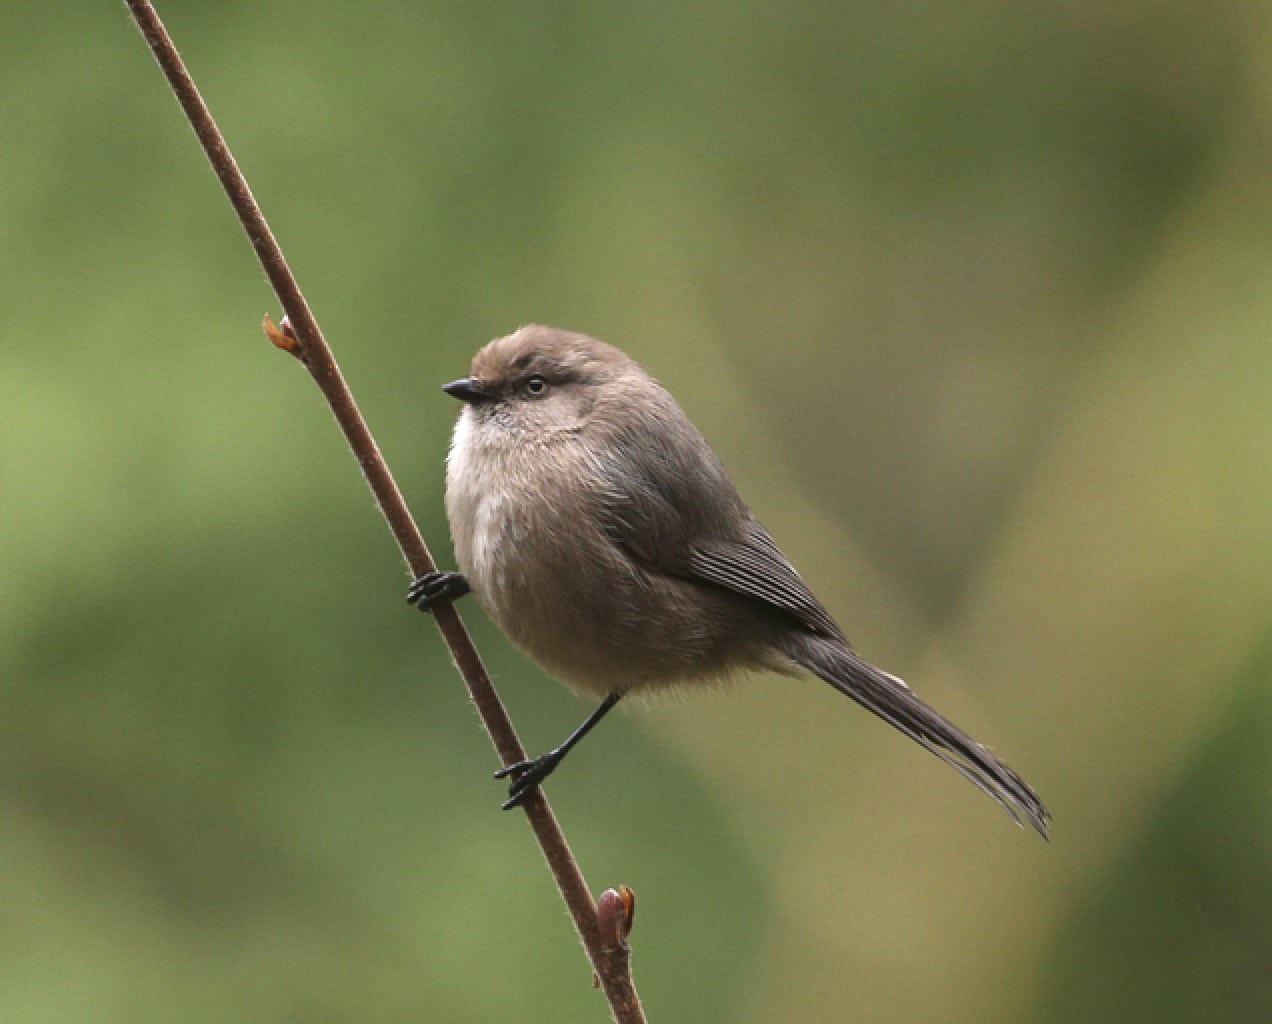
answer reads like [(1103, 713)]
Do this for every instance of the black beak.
[(467, 389)]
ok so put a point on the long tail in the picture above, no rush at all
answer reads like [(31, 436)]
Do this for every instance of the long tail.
[(892, 700)]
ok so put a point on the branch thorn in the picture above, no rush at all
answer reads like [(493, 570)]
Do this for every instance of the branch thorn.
[(615, 914), (281, 336)]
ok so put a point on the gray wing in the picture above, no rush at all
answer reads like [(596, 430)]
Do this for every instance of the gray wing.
[(673, 509), (756, 567)]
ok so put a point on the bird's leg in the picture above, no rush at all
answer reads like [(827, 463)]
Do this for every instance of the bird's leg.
[(526, 775), (434, 587)]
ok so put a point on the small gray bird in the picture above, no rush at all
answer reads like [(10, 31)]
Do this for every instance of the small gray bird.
[(599, 530)]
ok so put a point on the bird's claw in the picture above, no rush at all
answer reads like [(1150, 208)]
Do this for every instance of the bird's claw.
[(435, 587), (526, 777)]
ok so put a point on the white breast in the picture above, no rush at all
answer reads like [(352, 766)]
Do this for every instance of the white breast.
[(486, 519)]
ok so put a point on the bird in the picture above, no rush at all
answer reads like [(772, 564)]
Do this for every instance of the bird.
[(599, 530)]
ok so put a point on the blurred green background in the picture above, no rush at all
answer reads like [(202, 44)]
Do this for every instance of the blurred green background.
[(972, 298)]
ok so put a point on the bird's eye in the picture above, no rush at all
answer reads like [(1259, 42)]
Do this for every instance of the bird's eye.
[(536, 385)]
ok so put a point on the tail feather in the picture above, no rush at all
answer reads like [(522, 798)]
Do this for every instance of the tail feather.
[(892, 700)]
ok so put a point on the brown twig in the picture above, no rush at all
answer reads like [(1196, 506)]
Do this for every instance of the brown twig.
[(304, 339)]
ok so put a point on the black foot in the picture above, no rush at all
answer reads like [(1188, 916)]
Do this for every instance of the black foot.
[(527, 775), (435, 587)]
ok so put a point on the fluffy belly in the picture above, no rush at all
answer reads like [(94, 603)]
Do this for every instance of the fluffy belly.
[(564, 592), (581, 608)]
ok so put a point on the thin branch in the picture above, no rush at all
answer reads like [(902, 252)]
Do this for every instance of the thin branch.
[(611, 962)]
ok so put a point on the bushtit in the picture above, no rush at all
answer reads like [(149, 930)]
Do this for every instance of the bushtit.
[(601, 533)]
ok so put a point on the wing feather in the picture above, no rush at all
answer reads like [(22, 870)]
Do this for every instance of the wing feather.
[(674, 511), (756, 568)]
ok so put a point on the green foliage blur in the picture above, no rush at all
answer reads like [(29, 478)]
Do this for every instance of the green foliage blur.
[(972, 298)]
